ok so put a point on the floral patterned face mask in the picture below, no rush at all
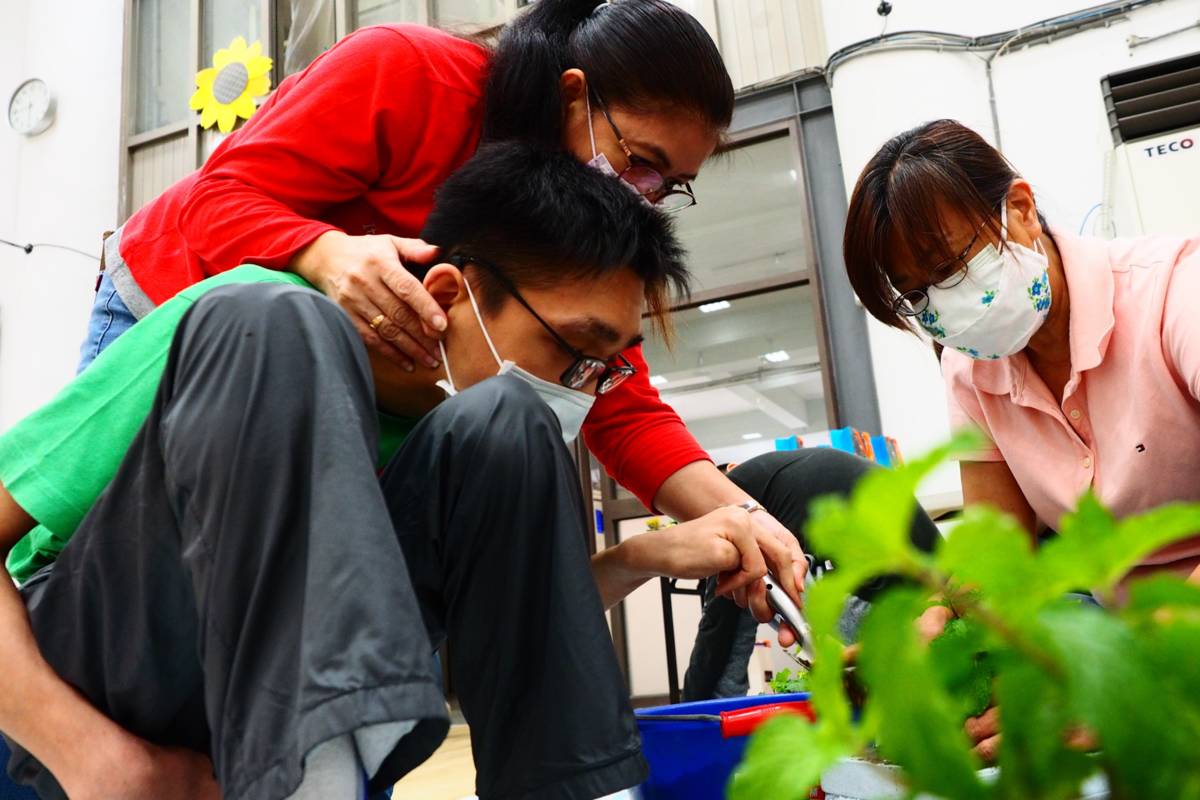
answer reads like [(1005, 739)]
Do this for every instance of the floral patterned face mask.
[(998, 306)]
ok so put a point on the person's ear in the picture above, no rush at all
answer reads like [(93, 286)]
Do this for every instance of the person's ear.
[(1023, 209), (445, 283), (573, 88), (572, 85)]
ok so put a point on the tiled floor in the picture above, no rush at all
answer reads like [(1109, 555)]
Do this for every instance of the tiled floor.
[(449, 774)]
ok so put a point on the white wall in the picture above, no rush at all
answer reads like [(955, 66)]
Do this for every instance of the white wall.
[(60, 186), (1052, 127), (762, 39)]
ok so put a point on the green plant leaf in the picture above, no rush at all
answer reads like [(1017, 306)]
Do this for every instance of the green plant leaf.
[(786, 757), (1164, 611), (1132, 676), (1092, 551), (960, 659), (867, 535), (918, 724), (787, 682), (1161, 592), (826, 682), (1147, 733), (1034, 758), (838, 532), (992, 553), (825, 600)]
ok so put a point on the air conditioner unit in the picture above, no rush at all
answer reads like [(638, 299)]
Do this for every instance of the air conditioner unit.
[(1153, 185)]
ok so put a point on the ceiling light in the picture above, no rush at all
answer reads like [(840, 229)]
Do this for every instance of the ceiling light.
[(776, 356), (658, 380), (719, 305), (751, 436)]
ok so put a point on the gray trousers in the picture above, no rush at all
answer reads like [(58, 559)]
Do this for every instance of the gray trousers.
[(249, 587)]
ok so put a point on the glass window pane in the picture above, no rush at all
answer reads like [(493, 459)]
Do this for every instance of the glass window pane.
[(224, 20), (474, 14), (744, 372), (307, 27), (163, 80), (749, 223), (378, 12)]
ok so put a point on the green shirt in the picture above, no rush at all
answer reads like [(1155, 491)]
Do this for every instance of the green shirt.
[(58, 460)]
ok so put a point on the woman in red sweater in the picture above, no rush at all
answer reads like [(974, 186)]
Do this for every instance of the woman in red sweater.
[(343, 160)]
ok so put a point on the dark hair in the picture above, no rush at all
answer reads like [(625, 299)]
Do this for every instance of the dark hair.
[(900, 197), (641, 54), (545, 219)]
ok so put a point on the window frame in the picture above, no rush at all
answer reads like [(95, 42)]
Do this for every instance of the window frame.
[(616, 507), (345, 19), (430, 15), (272, 40), (801, 106)]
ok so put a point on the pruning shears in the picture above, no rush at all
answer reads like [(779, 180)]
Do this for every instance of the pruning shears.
[(787, 611)]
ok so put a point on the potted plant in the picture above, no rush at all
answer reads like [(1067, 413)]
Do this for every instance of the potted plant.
[(1124, 679)]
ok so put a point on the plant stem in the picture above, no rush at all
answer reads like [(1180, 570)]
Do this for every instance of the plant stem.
[(964, 600)]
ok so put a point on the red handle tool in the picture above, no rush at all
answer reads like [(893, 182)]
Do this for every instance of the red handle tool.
[(744, 721)]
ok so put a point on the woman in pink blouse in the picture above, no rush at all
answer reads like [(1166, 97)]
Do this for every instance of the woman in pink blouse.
[(1078, 358)]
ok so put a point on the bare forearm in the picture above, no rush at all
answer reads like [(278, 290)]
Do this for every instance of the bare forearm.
[(616, 577), (695, 549), (695, 490)]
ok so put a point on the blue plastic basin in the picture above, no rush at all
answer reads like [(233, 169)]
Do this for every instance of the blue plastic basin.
[(690, 760)]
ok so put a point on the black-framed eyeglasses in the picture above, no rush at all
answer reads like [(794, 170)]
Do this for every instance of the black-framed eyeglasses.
[(946, 275), (665, 194), (584, 369)]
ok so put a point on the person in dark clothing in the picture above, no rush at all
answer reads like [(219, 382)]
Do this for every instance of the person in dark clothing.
[(240, 583), (786, 483)]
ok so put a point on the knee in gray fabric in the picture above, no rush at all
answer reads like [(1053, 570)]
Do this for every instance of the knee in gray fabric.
[(503, 411), (273, 317), (278, 311)]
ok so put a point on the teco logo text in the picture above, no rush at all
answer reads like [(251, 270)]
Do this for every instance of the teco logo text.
[(1169, 147)]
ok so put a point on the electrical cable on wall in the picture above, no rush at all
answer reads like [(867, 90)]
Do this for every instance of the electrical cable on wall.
[(1088, 216), (988, 47), (1026, 34), (883, 10), (29, 248)]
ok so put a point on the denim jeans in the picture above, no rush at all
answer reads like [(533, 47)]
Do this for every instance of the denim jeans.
[(110, 318), (8, 789)]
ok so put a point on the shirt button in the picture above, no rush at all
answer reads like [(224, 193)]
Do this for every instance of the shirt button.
[(1087, 462), (1075, 413)]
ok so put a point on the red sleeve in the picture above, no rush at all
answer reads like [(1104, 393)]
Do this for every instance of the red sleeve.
[(325, 137), (638, 438)]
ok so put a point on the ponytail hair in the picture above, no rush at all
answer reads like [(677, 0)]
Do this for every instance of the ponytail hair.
[(640, 54)]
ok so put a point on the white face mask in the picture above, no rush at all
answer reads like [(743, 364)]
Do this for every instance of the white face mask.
[(1000, 304), (570, 406)]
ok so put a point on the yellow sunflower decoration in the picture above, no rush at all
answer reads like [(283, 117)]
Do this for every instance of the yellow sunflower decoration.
[(227, 90)]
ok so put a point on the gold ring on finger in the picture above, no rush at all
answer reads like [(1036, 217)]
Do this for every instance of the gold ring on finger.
[(375, 322)]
